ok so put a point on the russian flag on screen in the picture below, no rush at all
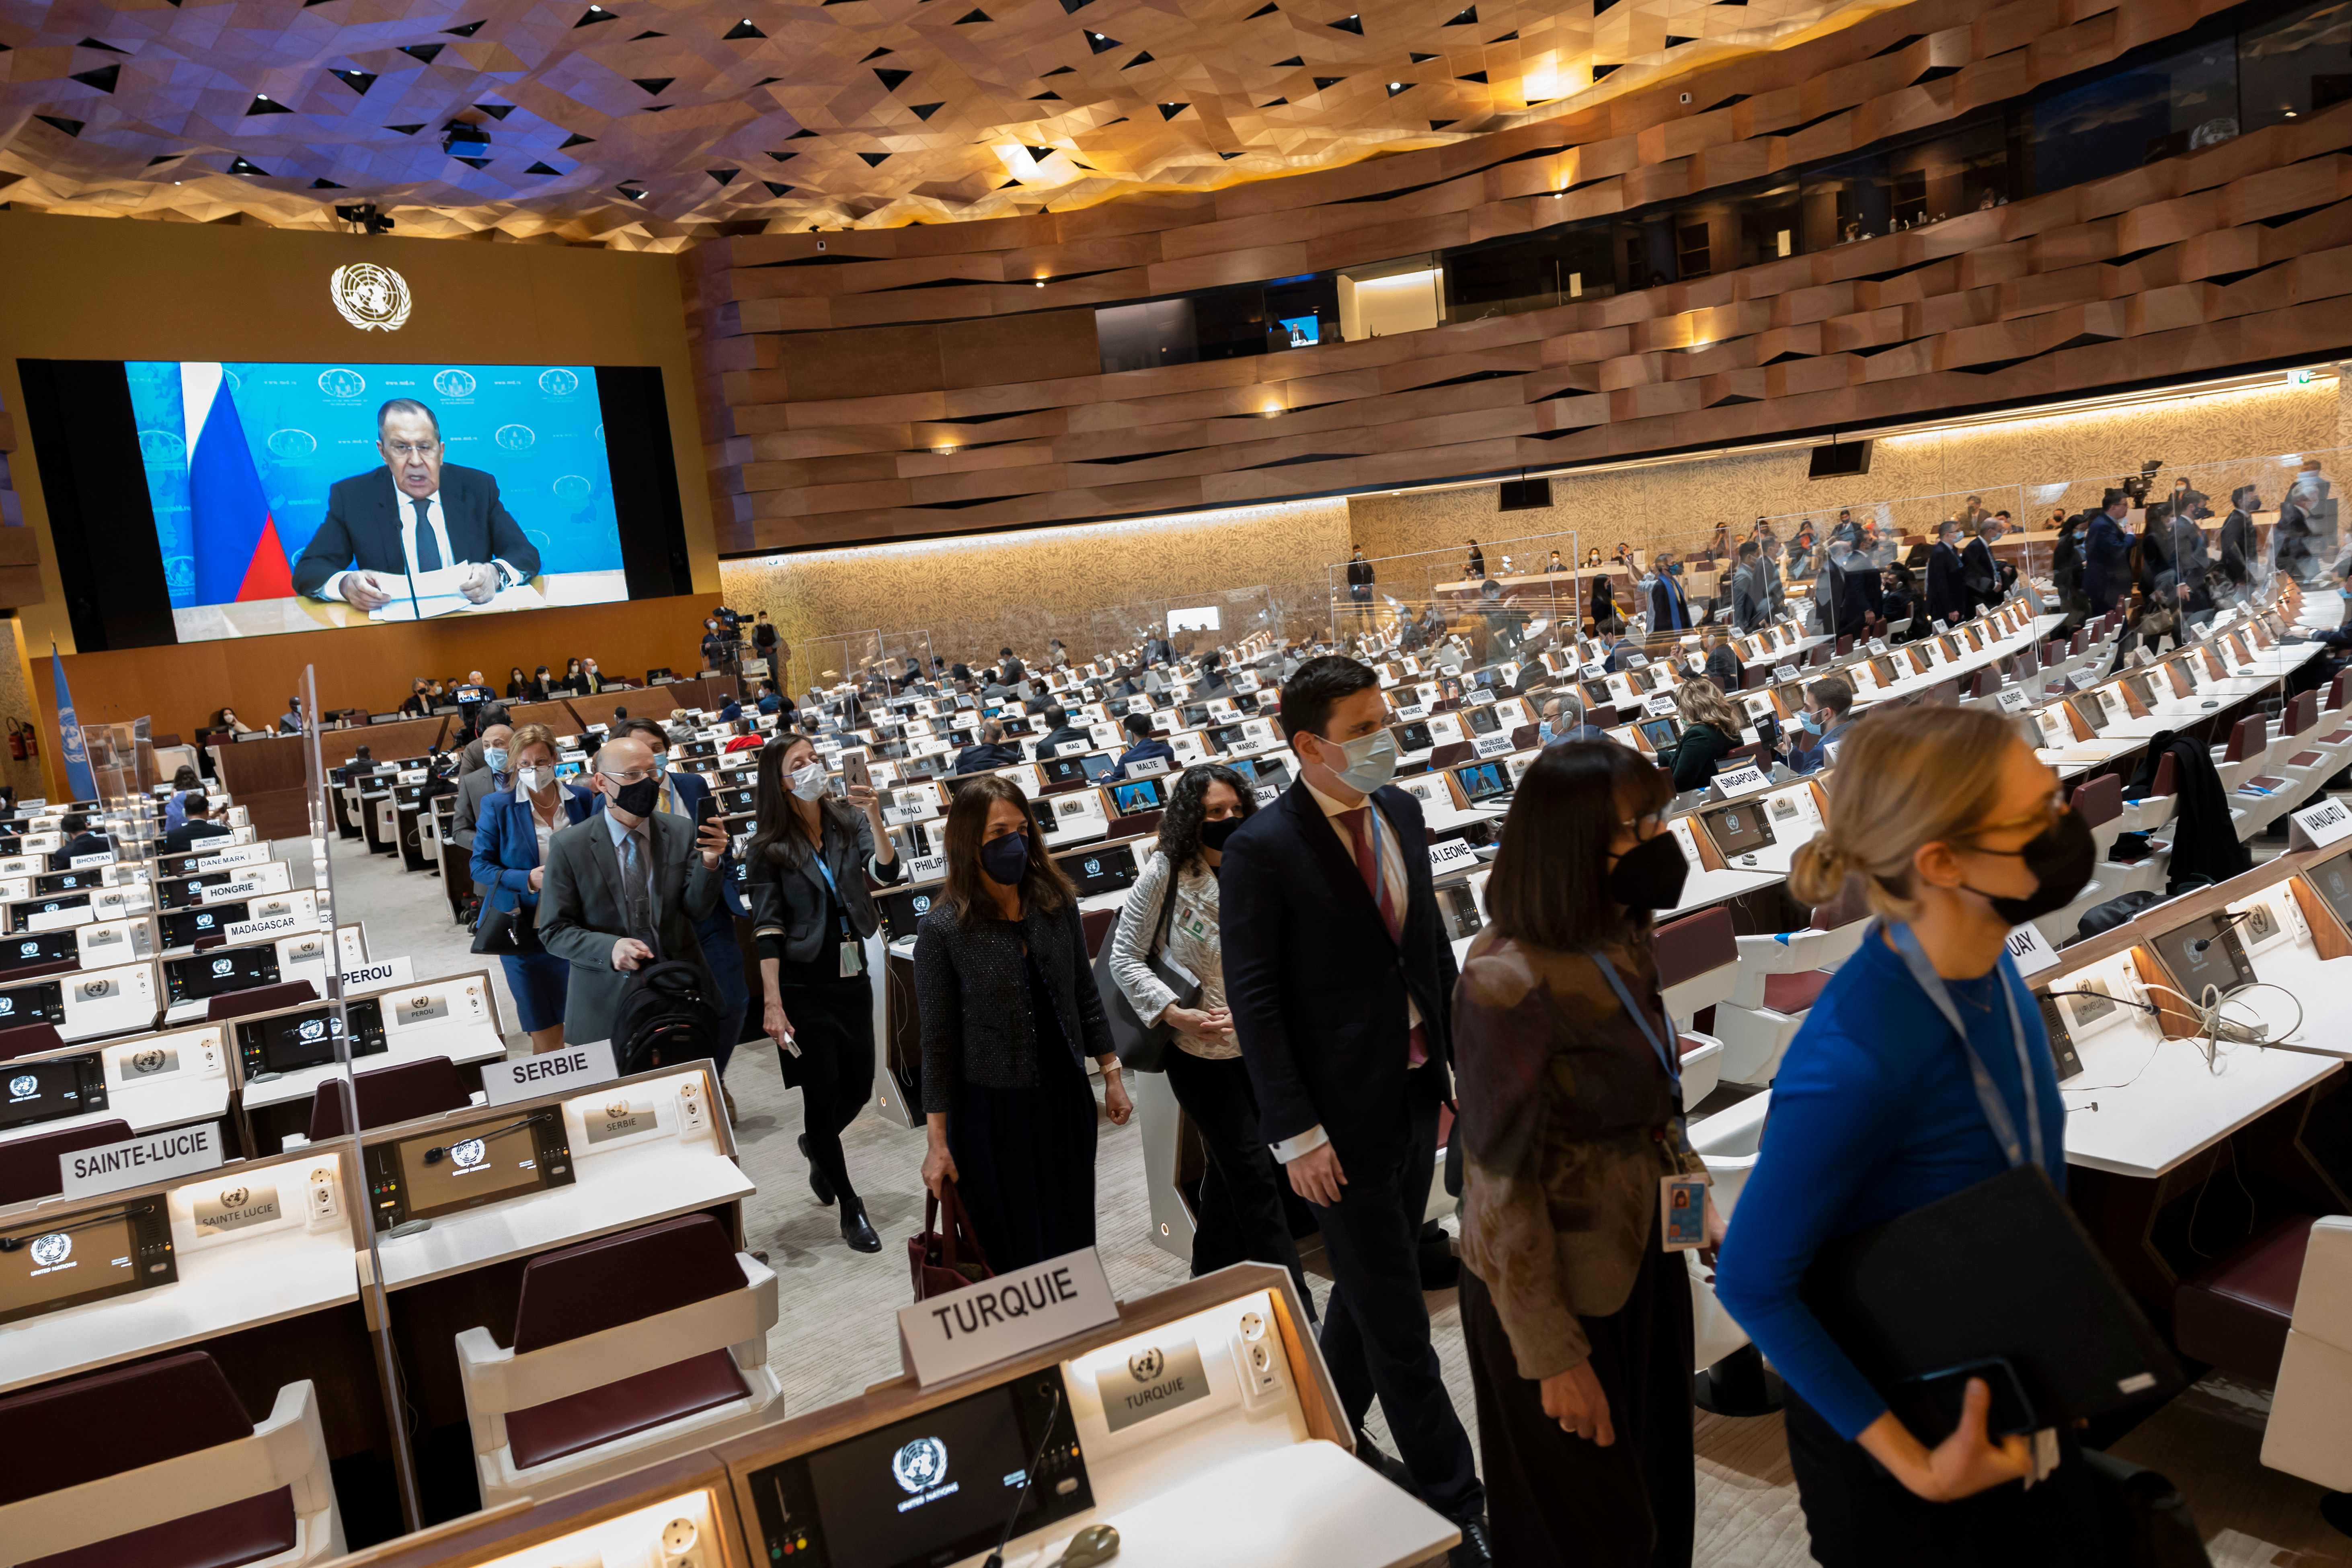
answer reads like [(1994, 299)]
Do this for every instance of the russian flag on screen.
[(231, 533)]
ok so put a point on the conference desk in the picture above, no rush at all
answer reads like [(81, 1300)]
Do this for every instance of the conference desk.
[(270, 775)]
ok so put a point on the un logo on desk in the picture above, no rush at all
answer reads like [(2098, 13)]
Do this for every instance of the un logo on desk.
[(341, 383), (453, 384), (145, 1062), (223, 965), (1146, 1363), (314, 1028), (371, 298), (558, 383), (52, 1249), (469, 1155), (23, 1086), (234, 1198), (920, 1464)]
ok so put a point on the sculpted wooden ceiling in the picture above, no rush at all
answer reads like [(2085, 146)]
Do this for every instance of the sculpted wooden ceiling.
[(645, 122)]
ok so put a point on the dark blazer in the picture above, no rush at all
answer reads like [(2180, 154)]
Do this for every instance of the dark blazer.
[(1061, 737), (1856, 591), (1725, 669), (1748, 596), (526, 691), (580, 914), (1980, 573), (186, 836), (1669, 608), (1317, 987), (693, 789), (788, 906), (972, 992), (1012, 672), (1948, 595), (364, 527), (1696, 756), (981, 757), (506, 843), (2237, 546), (2104, 558), (1146, 749)]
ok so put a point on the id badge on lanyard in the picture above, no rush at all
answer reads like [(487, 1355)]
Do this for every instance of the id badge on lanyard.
[(853, 951), (1682, 1200)]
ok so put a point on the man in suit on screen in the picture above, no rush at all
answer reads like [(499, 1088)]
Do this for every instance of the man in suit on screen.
[(416, 514)]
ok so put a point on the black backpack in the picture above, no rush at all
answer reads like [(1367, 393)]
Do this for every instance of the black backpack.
[(667, 1016)]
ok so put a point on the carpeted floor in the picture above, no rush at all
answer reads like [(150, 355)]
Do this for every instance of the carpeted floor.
[(837, 1335)]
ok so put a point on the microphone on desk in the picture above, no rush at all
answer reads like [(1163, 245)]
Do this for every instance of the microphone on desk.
[(435, 1155), (2197, 949), (1053, 1413)]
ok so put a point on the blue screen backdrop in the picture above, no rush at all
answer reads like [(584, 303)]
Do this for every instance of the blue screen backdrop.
[(537, 429)]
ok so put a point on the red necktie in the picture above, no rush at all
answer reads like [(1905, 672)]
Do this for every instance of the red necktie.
[(1368, 866)]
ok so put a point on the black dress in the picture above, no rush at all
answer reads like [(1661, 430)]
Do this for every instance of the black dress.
[(833, 1025), (1026, 1157)]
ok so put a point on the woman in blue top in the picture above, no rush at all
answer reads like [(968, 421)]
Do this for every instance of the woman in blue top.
[(511, 834), (1881, 1106)]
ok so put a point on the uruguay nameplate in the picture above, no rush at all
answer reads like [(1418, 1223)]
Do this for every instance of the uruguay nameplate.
[(1010, 1315), (2030, 951), (157, 1157), (573, 1067)]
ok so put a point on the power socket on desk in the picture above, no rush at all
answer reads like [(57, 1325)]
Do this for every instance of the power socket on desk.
[(1258, 1361), (326, 1202), (693, 1110)]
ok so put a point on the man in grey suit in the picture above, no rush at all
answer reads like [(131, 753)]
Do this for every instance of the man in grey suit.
[(478, 775), (624, 889)]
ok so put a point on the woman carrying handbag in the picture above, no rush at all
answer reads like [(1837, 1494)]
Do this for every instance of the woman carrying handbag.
[(1167, 930)]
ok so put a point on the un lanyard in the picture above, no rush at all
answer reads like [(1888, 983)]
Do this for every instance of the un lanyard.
[(1996, 1109), (1667, 1058), (840, 903)]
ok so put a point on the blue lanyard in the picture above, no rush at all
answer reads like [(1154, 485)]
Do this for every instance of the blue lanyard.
[(1667, 1058), (1996, 1109), (840, 903)]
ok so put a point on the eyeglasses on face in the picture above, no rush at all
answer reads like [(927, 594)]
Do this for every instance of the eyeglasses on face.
[(412, 449)]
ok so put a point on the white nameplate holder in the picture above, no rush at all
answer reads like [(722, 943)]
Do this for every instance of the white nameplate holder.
[(1784, 673), (1486, 746), (927, 869), (2012, 699), (2030, 951), (1658, 704), (2318, 826), (80, 862), (229, 859), (1730, 782), (919, 804), (159, 1156), (437, 1005), (377, 975), (272, 926), (1447, 854), (271, 878), (1408, 712), (55, 920), (201, 1053), (1011, 1315), (573, 1067)]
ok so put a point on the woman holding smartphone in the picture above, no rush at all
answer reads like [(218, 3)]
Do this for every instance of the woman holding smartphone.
[(1009, 1015), (809, 858), (1922, 1070)]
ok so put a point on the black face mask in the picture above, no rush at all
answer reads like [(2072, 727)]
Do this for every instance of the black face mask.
[(1215, 833), (1650, 875), (639, 799), (2060, 857)]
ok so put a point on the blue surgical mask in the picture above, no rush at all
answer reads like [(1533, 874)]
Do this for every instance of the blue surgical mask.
[(1543, 732), (1813, 724), (1372, 761), (497, 757), (1677, 569)]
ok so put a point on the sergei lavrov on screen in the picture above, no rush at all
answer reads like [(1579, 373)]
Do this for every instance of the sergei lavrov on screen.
[(288, 497)]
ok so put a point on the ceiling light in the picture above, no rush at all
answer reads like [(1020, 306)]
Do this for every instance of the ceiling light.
[(1396, 87), (1041, 282)]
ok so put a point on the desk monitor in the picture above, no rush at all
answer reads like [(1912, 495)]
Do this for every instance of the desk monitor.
[(2204, 953), (40, 1002), (1095, 764), (1102, 872), (1226, 738), (1062, 770), (288, 1042), (49, 1265), (2090, 711), (454, 1168), (2142, 688), (1415, 737), (902, 912), (1740, 828), (39, 947), (1660, 733), (1270, 772), (930, 1489), (2332, 880), (22, 914), (1138, 795), (1482, 719), (182, 927), (1483, 781), (69, 881), (48, 1088), (219, 970), (1192, 715)]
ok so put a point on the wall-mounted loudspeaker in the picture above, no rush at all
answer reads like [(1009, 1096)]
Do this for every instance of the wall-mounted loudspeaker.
[(1839, 458), (1524, 495)]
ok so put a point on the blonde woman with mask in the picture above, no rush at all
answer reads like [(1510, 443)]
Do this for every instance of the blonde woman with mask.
[(1922, 1070), (1711, 730)]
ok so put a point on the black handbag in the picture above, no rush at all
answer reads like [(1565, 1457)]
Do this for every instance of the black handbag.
[(506, 932), (1141, 1047)]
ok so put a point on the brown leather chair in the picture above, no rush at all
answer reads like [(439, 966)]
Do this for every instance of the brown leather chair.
[(663, 1270), (1096, 926), (2234, 1314), (1452, 754), (29, 1166), (260, 999), (88, 1431), (28, 1040), (1138, 825), (426, 1087)]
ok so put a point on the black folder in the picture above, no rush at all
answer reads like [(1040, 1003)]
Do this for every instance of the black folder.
[(2000, 1272)]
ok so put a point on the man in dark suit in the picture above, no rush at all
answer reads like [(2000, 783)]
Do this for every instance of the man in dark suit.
[(1669, 610), (1143, 746), (415, 514), (1010, 671), (1340, 978), (1986, 583), (1853, 590), (991, 752), (624, 889), (478, 780), (590, 680), (1750, 590), (1060, 732), (1947, 594), (195, 826)]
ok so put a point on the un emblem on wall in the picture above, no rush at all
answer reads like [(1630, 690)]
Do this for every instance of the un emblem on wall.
[(371, 298), (558, 383), (341, 383), (453, 384)]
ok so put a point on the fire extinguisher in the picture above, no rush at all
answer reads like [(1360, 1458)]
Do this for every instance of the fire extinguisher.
[(24, 741)]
